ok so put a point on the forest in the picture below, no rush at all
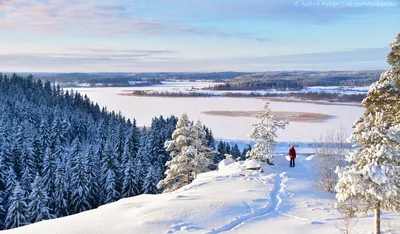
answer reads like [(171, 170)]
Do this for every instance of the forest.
[(61, 154)]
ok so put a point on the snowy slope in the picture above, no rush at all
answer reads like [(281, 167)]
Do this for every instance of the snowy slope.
[(231, 200)]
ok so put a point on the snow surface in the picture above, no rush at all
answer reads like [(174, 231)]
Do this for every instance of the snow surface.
[(231, 200), (143, 109)]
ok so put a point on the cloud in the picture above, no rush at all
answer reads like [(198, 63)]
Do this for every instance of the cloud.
[(98, 60), (92, 16)]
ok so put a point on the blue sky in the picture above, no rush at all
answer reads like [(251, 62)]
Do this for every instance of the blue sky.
[(195, 35)]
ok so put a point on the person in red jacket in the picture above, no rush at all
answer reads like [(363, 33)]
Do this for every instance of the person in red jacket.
[(292, 155)]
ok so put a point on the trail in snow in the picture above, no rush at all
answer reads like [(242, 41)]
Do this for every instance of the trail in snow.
[(266, 210), (276, 197)]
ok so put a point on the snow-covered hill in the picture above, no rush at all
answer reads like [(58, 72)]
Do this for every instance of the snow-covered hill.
[(231, 200)]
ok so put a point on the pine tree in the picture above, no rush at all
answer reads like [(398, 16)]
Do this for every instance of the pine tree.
[(37, 155), (372, 176), (130, 187), (245, 152), (2, 210), (203, 153), (235, 152), (181, 166), (264, 134), (109, 172), (394, 55), (150, 183), (16, 214), (79, 183), (38, 208), (59, 198), (93, 173), (11, 182), (49, 173), (189, 154), (221, 152)]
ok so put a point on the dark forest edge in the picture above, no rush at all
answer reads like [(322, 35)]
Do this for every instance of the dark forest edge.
[(309, 96)]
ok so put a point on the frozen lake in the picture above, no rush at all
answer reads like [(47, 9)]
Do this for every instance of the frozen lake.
[(143, 109)]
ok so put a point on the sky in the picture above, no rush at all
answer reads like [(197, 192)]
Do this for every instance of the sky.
[(195, 35)]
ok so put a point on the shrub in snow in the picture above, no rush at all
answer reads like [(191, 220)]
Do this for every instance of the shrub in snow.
[(330, 152), (264, 134), (373, 176), (189, 152)]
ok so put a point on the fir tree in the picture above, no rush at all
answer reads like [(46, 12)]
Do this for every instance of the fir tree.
[(235, 152), (38, 208), (79, 183), (16, 214), (150, 182), (264, 134), (2, 210), (93, 173), (59, 198), (203, 153), (11, 182), (130, 187)]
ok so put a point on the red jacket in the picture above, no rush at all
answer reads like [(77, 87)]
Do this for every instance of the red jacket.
[(292, 152)]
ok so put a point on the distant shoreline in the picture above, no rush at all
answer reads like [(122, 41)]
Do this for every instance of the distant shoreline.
[(272, 99)]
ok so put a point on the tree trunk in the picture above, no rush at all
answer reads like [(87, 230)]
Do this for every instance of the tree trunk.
[(378, 218)]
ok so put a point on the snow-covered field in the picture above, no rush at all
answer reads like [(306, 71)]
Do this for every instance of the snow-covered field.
[(231, 200), (143, 109)]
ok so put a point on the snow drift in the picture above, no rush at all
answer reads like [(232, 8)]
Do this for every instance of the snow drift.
[(232, 199)]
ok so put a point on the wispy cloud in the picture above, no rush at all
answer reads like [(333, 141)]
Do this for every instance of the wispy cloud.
[(130, 60), (113, 17)]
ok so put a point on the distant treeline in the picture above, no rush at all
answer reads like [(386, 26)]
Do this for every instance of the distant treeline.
[(299, 80), (295, 80), (124, 79), (320, 96)]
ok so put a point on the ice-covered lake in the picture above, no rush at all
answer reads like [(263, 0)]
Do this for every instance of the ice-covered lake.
[(143, 109)]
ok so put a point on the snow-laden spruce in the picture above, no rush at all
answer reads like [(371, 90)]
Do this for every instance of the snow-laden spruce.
[(37, 207), (264, 135), (373, 174), (189, 152)]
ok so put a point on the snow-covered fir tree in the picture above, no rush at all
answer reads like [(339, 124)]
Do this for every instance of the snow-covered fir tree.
[(92, 170), (264, 135), (150, 182), (203, 153), (130, 186), (109, 172), (38, 208), (79, 183), (2, 210), (17, 210), (372, 176), (58, 199)]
